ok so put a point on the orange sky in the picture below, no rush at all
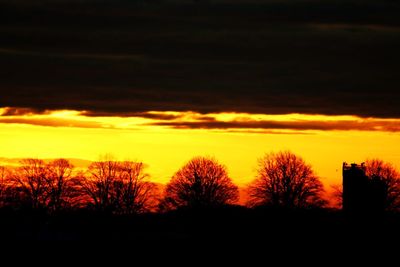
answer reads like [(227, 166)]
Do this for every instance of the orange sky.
[(165, 141)]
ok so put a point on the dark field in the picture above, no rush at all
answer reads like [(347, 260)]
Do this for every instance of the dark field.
[(216, 227)]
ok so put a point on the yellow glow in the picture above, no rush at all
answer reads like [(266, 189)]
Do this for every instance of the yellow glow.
[(166, 149)]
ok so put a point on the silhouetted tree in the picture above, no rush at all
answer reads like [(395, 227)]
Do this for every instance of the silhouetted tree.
[(202, 182), (118, 187), (386, 173), (98, 186), (337, 196), (10, 195), (134, 193), (4, 185), (31, 180), (59, 184), (285, 180)]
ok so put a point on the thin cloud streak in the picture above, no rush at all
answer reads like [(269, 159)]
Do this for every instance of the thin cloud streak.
[(362, 125), (53, 122), (13, 111), (149, 115)]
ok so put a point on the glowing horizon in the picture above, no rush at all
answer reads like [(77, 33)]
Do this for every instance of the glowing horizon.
[(166, 140)]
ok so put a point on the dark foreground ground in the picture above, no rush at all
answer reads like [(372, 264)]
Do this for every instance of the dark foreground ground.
[(233, 225)]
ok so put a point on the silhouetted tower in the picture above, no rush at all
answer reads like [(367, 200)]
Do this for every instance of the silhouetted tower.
[(355, 183), (362, 193)]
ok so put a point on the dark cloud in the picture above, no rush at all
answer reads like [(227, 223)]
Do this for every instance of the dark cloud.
[(124, 57)]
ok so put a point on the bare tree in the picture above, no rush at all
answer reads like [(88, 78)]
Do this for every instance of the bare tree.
[(118, 187), (202, 182), (98, 186), (59, 183), (4, 185), (136, 194), (31, 180), (285, 180), (337, 196), (386, 173)]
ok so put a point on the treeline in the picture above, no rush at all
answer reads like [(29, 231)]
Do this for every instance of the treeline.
[(106, 186), (283, 180)]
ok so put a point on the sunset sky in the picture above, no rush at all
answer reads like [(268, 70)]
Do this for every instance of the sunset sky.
[(163, 81)]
